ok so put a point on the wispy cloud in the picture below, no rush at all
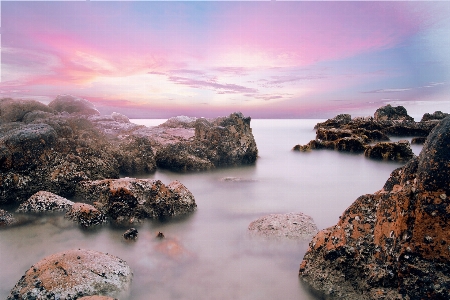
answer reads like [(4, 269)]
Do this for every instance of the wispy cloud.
[(225, 88), (388, 91)]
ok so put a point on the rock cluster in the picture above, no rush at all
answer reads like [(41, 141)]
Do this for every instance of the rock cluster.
[(73, 274), (291, 226), (343, 133), (225, 141), (128, 199), (394, 244), (52, 148)]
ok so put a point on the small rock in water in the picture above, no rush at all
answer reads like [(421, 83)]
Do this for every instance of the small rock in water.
[(131, 234), (291, 225), (85, 214), (160, 235)]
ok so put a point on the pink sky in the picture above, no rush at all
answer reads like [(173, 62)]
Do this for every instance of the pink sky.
[(266, 59)]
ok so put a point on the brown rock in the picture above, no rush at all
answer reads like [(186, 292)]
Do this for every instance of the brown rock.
[(73, 274), (86, 215), (399, 151), (130, 199), (14, 110), (388, 113), (6, 219)]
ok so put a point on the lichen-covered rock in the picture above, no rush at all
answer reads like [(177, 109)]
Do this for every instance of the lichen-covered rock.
[(85, 214), (225, 141), (291, 226), (135, 156), (393, 244), (180, 121), (398, 151), (129, 199), (73, 105), (388, 113), (12, 110), (44, 201), (73, 274)]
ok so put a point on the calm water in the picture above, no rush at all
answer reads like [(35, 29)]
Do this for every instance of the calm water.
[(208, 255)]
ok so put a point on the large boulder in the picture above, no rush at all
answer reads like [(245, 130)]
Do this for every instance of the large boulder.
[(73, 105), (12, 110), (73, 274), (224, 141), (393, 244), (437, 115), (129, 199)]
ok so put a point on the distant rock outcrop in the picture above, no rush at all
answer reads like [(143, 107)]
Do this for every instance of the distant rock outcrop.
[(355, 135), (393, 244), (73, 105), (73, 274), (128, 199), (437, 115)]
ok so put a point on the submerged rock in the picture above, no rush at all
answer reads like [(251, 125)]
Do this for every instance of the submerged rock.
[(131, 234), (73, 274), (44, 201), (399, 151), (393, 244), (291, 225), (130, 199)]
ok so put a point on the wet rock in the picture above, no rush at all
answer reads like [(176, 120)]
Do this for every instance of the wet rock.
[(437, 115), (73, 105), (399, 151), (6, 219), (389, 113), (135, 156), (418, 140), (85, 214), (131, 234), (225, 141), (73, 274), (160, 235), (44, 201), (394, 243), (12, 110), (129, 199), (291, 225)]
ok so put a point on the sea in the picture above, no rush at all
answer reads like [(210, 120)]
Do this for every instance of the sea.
[(210, 253)]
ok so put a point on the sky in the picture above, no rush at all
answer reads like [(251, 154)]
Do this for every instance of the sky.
[(271, 59)]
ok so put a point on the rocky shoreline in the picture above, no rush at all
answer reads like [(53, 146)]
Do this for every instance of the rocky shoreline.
[(393, 244)]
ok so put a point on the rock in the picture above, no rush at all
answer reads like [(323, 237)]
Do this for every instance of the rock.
[(129, 199), (85, 214), (393, 244), (118, 117), (236, 179), (131, 234), (418, 140), (12, 110), (179, 121), (291, 226), (73, 105), (388, 113), (437, 115), (226, 141), (73, 274), (135, 156), (44, 201), (6, 219), (399, 151), (350, 144)]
